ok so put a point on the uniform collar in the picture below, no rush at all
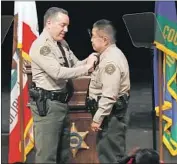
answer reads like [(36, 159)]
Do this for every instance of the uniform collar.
[(107, 49), (47, 36)]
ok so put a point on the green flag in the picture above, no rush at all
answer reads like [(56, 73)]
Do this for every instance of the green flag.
[(167, 18)]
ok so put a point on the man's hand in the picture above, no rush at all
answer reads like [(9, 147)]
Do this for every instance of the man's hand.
[(91, 61), (94, 55), (95, 126), (133, 151)]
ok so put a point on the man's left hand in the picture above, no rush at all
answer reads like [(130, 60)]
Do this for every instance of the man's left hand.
[(95, 126)]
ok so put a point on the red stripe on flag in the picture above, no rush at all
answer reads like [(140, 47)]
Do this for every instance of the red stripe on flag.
[(28, 38), (14, 139)]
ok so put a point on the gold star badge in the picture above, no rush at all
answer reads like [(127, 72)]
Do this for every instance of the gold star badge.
[(77, 140)]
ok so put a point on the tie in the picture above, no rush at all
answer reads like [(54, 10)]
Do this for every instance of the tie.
[(63, 54), (95, 64), (69, 84)]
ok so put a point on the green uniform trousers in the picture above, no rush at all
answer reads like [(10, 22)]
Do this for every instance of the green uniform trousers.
[(52, 133), (110, 142)]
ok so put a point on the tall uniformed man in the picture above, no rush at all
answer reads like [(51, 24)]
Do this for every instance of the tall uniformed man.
[(53, 65), (108, 93)]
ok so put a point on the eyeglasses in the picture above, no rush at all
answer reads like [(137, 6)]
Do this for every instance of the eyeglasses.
[(89, 32), (94, 37)]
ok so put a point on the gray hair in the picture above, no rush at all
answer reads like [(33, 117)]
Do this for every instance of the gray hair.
[(107, 27), (52, 13)]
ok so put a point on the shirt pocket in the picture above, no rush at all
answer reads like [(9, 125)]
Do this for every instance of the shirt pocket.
[(96, 79), (61, 61), (69, 58), (58, 55)]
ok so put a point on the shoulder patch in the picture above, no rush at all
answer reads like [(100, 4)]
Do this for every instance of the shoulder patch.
[(45, 50), (110, 68)]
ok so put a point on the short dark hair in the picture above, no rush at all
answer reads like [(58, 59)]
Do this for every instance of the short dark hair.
[(142, 156), (107, 27), (147, 156), (52, 12)]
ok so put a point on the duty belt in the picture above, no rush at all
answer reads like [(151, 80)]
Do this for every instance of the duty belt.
[(119, 107), (54, 95)]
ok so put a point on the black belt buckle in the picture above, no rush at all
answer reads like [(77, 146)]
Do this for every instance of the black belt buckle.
[(62, 97), (52, 95)]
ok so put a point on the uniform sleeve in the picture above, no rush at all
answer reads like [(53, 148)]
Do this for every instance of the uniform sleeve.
[(81, 62), (45, 59), (110, 78), (76, 61)]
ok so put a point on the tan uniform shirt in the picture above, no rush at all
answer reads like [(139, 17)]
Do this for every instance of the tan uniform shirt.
[(110, 80), (48, 71)]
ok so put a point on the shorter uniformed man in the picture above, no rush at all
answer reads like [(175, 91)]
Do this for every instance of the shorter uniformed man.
[(53, 65), (108, 93)]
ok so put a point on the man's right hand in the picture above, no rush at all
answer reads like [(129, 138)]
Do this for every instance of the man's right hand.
[(90, 68), (91, 60), (93, 56)]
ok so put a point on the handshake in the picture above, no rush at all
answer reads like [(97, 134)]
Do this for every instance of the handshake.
[(91, 61)]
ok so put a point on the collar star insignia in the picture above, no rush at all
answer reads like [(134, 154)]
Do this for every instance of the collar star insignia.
[(77, 140)]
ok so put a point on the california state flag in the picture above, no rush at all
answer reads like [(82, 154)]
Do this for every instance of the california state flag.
[(21, 123)]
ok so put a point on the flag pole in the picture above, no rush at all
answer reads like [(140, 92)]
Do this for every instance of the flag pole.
[(160, 95), (21, 104), (154, 135)]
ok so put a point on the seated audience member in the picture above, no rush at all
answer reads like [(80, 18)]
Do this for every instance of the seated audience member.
[(141, 156)]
